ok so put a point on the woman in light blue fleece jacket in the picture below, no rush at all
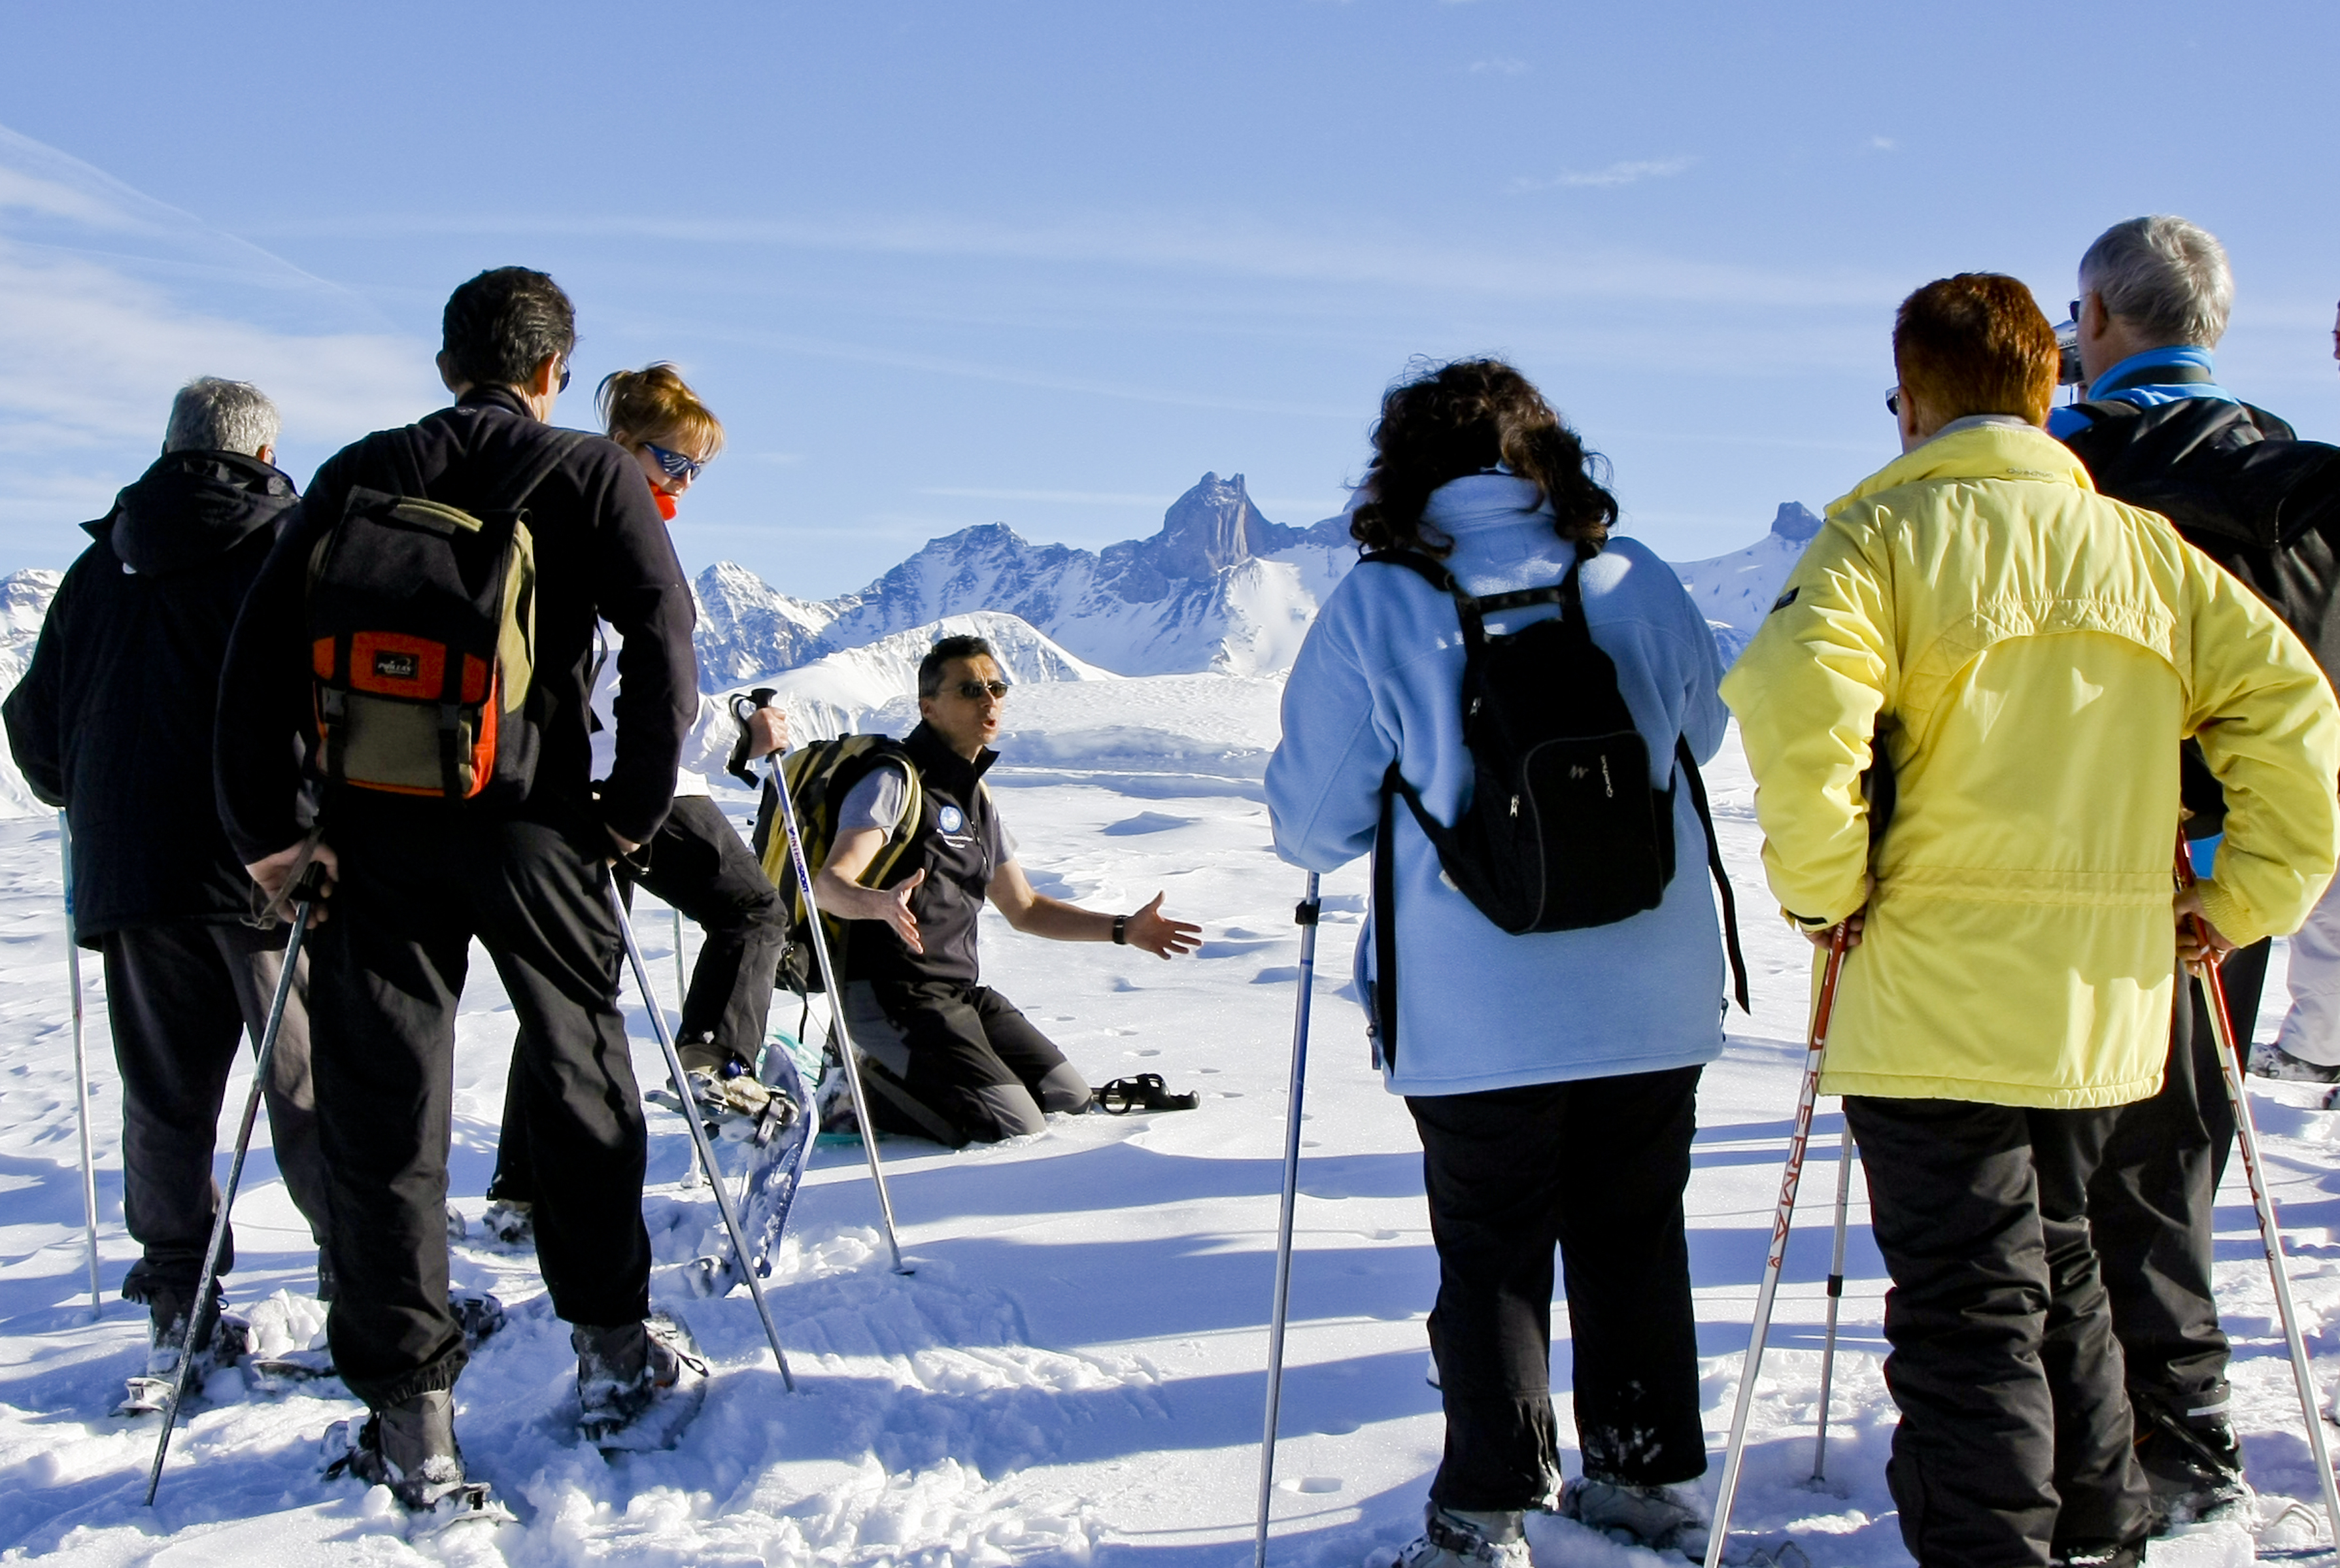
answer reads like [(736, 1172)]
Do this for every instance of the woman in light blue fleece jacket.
[(1552, 1077)]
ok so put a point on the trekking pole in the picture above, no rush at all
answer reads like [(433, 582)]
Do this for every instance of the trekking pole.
[(81, 1074), (306, 892), (1835, 1300), (1815, 1053), (836, 1011), (1305, 917), (698, 1132), (681, 975), (2230, 1072)]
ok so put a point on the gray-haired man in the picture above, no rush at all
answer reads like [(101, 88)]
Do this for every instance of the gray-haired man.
[(114, 722), (2156, 430)]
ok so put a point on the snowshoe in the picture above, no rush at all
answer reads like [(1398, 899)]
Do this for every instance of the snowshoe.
[(411, 1448), (1146, 1092), (639, 1384), (2269, 1060), (1658, 1517), (774, 1172), (1454, 1539), (457, 1227), (510, 1222), (222, 1346)]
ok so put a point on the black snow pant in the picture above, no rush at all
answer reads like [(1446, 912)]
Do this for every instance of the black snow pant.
[(417, 882), (956, 1063), (699, 865), (2014, 1446), (2151, 1205), (181, 996), (1597, 1167)]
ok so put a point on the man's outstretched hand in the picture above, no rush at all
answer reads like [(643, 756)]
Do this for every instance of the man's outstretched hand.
[(274, 871), (894, 910), (1157, 933)]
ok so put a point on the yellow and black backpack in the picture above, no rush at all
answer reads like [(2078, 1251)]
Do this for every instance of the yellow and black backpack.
[(421, 622)]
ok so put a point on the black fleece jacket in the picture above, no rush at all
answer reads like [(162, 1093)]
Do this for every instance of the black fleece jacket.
[(601, 552), (113, 720)]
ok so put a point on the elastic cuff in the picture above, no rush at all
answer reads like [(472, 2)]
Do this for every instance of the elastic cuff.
[(2227, 913), (442, 1373)]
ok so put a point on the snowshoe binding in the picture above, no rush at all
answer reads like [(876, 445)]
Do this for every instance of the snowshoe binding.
[(2269, 1060), (1453, 1538), (639, 1384), (221, 1342), (509, 1222), (1146, 1092), (410, 1447)]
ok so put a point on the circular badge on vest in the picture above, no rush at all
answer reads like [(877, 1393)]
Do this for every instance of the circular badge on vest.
[(950, 819)]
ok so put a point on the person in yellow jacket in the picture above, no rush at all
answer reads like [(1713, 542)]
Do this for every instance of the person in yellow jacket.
[(2019, 656)]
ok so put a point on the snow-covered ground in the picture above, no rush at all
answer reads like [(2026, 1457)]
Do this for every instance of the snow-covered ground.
[(1074, 1373)]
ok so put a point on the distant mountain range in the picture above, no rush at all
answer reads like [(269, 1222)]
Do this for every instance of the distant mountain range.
[(1218, 589)]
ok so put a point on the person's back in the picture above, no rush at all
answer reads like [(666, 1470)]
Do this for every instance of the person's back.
[(2027, 641), (1480, 1009)]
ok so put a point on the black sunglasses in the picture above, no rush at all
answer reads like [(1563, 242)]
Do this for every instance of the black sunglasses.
[(1893, 403), (564, 376), (973, 691)]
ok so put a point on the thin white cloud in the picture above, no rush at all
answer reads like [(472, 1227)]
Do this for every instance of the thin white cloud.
[(1626, 173), (1217, 243), (1883, 144), (1501, 65), (1051, 497)]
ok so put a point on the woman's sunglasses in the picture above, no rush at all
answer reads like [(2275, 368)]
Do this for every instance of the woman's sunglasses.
[(677, 466)]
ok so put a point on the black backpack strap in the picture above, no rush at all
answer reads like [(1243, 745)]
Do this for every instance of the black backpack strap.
[(1721, 877), (1383, 1012)]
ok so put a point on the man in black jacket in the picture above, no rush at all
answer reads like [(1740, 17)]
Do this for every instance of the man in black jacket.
[(2157, 431), (953, 1059), (416, 878), (113, 721)]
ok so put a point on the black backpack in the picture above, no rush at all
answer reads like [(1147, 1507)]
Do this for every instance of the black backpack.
[(422, 627), (1562, 831)]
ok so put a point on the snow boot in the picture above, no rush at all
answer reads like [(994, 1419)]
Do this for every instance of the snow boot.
[(411, 1448), (2272, 1061), (511, 1221), (2194, 1467), (2098, 1555), (1459, 1538), (1658, 1517), (637, 1384)]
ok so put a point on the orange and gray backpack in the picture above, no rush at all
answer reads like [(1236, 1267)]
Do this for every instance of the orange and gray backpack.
[(421, 622)]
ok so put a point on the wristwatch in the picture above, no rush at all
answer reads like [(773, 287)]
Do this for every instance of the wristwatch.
[(1121, 930)]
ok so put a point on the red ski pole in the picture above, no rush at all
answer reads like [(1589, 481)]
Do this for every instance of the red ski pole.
[(2246, 1134), (1815, 1053)]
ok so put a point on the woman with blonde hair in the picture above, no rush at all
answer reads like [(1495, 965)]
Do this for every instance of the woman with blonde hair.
[(695, 862)]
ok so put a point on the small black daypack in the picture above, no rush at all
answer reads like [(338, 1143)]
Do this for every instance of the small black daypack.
[(1562, 831)]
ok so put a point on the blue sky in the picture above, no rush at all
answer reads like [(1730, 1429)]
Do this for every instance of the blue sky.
[(940, 265)]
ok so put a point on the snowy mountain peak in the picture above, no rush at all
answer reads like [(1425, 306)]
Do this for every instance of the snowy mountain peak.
[(1796, 522), (1210, 527)]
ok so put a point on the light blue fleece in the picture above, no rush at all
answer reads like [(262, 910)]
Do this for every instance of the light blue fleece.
[(1380, 678)]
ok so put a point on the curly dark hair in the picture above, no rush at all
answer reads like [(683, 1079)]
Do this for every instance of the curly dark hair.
[(1443, 422)]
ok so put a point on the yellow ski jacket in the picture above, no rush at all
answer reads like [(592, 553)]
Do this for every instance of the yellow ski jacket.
[(2029, 654)]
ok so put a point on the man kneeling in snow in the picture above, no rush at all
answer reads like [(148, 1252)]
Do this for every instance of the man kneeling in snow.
[(2021, 653), (952, 1059)]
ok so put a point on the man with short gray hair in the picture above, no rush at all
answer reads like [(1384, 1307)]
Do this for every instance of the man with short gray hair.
[(113, 723), (2156, 430)]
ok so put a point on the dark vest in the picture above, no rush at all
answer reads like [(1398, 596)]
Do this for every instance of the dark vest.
[(955, 825)]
